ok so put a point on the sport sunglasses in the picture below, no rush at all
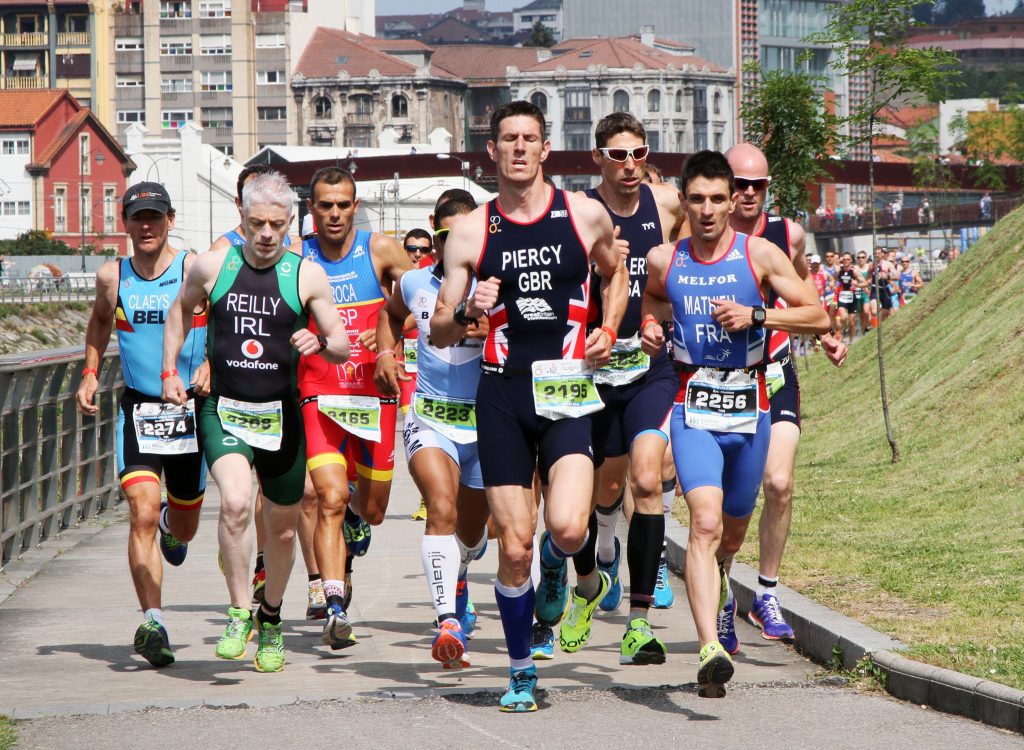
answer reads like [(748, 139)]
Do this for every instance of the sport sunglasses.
[(758, 183), (637, 153)]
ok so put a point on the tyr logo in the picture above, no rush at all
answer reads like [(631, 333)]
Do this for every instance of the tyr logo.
[(649, 225)]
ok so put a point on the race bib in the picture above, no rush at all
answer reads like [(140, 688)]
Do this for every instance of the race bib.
[(846, 297), (628, 363), (722, 401), (166, 429), (774, 378), (410, 352), (455, 418), (564, 388), (258, 424), (359, 415)]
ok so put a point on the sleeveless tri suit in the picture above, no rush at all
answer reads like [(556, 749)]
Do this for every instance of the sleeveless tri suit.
[(783, 383)]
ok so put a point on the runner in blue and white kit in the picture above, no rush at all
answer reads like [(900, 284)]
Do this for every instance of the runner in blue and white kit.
[(440, 440), (713, 285)]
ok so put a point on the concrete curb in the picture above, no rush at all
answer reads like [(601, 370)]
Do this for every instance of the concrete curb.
[(823, 635)]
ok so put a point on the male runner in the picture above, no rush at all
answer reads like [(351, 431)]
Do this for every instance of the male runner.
[(831, 269), (637, 392), (134, 295), (846, 293), (260, 297), (714, 285), (863, 268), (440, 440), (750, 168), (910, 279), (350, 425), (530, 250), (419, 245)]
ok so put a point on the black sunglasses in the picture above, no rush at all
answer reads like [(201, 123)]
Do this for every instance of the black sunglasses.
[(637, 153), (416, 249), (758, 183)]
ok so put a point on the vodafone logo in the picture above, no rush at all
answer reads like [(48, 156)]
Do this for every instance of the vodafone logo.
[(252, 349)]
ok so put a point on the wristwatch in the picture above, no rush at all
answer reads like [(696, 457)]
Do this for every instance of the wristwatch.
[(757, 316), (322, 341), (460, 315)]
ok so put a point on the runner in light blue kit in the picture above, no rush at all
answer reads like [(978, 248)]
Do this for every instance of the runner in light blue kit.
[(713, 285)]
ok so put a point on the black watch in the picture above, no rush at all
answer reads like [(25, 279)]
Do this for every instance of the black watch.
[(757, 317), (322, 341), (460, 315)]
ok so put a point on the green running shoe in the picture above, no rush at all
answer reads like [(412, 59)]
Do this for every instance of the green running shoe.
[(238, 632), (270, 652), (151, 643), (715, 670), (639, 646), (575, 630)]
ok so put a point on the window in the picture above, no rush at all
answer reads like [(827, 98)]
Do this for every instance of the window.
[(269, 77), (540, 101), (322, 108), (175, 9), (399, 106), (654, 140), (716, 106), (215, 9), (216, 44), (269, 41), (175, 45), (171, 119), (27, 25), (9, 208), (176, 84), (76, 23), (85, 208), (216, 80), (125, 116), (109, 200), (620, 101), (718, 141), (227, 149), (128, 43), (271, 113), (60, 203), (24, 208), (12, 146), (128, 80), (83, 153), (679, 100), (577, 105), (654, 101), (217, 117)]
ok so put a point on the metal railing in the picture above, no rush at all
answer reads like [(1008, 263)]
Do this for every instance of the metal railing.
[(76, 287), (56, 466), (913, 218)]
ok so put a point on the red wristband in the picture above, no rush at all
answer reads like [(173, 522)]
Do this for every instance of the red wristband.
[(611, 332), (90, 371), (168, 374)]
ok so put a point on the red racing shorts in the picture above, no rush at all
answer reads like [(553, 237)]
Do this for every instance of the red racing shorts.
[(327, 442)]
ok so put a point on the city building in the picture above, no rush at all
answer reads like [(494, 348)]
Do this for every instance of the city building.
[(61, 171), (988, 44), (471, 22), (546, 12)]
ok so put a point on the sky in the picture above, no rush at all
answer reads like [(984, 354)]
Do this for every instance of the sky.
[(405, 7)]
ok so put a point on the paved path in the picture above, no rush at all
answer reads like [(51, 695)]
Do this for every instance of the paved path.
[(67, 650)]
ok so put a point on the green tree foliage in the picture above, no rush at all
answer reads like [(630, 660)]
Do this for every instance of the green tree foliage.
[(540, 36), (785, 116), (35, 242)]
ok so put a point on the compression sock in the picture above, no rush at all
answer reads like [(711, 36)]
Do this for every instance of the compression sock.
[(515, 605), (643, 556), (606, 520), (440, 555), (668, 496)]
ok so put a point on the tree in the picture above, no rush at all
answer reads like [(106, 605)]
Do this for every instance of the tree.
[(785, 116), (869, 41), (541, 36), (35, 242)]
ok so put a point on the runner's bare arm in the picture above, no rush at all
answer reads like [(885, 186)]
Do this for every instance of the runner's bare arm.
[(221, 243), (655, 306), (390, 323), (318, 300), (193, 293), (607, 256), (461, 252), (670, 209), (201, 380), (97, 335)]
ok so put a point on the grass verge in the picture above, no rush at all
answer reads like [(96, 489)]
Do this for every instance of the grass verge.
[(8, 737)]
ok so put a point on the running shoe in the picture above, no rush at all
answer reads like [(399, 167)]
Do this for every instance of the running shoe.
[(639, 646), (553, 591), (357, 536), (173, 551), (316, 607), (611, 600), (270, 651), (575, 630), (420, 514), (468, 620), (337, 629), (449, 645), (715, 670), (465, 612), (238, 632), (542, 645), (727, 628), (767, 615), (519, 698), (259, 585), (152, 644), (663, 596)]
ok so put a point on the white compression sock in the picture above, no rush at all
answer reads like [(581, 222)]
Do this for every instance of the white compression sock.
[(468, 554), (606, 520), (441, 565)]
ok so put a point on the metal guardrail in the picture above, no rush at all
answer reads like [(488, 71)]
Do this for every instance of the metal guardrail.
[(910, 219), (76, 287), (56, 466)]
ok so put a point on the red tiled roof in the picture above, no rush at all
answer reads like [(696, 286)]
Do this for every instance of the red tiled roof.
[(360, 53), (616, 52), (24, 108), (909, 117), (474, 62), (395, 45), (453, 30)]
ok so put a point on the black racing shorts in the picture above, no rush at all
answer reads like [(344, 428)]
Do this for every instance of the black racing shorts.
[(785, 402), (633, 409), (184, 474), (512, 440), (885, 297)]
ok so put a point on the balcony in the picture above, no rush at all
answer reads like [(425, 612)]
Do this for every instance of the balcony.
[(359, 119), (73, 39), (26, 40), (25, 82), (479, 123), (577, 114)]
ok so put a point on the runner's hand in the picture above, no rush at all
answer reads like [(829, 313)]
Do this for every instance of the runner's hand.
[(368, 339), (599, 347), (389, 375), (201, 381), (484, 297), (834, 348), (731, 315), (652, 338), (173, 390), (85, 398), (306, 342)]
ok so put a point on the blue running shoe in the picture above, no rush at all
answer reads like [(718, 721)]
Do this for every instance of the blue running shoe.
[(553, 591), (663, 596), (727, 628), (337, 629), (767, 615), (519, 698), (152, 644), (464, 609), (357, 536), (542, 646), (611, 600), (173, 551), (449, 645)]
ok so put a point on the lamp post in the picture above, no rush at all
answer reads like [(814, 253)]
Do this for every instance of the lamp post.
[(83, 159)]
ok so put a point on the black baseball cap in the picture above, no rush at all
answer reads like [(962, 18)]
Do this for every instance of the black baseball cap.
[(146, 196)]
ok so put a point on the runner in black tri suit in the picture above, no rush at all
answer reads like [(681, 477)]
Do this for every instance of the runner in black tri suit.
[(530, 250)]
